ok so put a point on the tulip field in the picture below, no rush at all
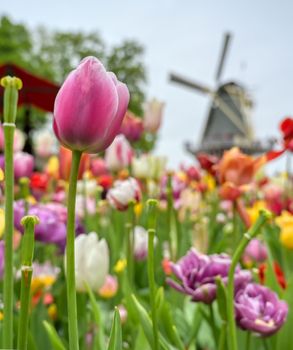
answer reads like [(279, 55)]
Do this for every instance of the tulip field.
[(105, 247)]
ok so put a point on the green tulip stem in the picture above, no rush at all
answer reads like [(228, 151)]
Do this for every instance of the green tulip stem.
[(248, 342), (70, 261), (252, 232), (152, 205), (213, 323), (9, 224), (130, 225), (169, 216), (27, 253), (222, 339), (11, 87)]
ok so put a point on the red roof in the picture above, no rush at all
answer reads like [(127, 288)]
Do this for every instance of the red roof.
[(36, 91)]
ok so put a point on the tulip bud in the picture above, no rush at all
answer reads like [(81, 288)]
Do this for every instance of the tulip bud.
[(89, 107)]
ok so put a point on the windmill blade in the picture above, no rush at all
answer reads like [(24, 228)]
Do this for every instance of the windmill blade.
[(227, 40), (191, 84)]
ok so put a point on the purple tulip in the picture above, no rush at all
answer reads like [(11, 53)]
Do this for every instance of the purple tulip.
[(197, 275), (89, 107), (52, 226), (258, 309)]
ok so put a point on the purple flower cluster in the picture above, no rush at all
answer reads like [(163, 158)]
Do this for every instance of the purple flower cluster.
[(257, 308), (52, 226), (198, 272)]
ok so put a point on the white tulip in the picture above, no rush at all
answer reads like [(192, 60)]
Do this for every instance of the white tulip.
[(91, 261), (148, 166), (44, 143), (87, 186), (123, 192), (153, 115)]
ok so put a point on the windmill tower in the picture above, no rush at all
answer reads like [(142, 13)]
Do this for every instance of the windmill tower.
[(228, 121)]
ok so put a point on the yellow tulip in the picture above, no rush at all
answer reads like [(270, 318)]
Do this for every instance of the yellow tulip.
[(285, 222), (52, 167), (253, 211)]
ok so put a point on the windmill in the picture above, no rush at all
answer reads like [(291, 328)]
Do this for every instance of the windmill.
[(228, 122)]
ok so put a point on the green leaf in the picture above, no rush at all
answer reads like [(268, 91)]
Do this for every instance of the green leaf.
[(284, 337), (145, 320), (115, 342), (147, 326), (100, 336), (53, 336), (170, 328), (159, 298), (141, 341), (221, 299)]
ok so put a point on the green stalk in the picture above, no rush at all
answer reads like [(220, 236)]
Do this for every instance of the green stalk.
[(213, 323), (222, 339), (152, 204), (130, 224), (252, 232), (29, 223), (11, 87), (84, 194), (169, 214), (248, 337), (70, 261), (9, 224), (24, 192)]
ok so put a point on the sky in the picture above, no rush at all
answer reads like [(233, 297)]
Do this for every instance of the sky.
[(185, 36)]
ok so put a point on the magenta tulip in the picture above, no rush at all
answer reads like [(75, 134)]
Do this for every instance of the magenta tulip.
[(89, 107)]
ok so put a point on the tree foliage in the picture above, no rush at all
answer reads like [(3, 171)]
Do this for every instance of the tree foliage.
[(53, 54)]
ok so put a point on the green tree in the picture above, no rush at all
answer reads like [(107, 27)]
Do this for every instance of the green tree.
[(15, 42), (125, 61), (53, 54)]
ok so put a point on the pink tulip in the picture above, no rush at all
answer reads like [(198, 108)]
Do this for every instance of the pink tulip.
[(132, 127), (98, 166), (89, 107), (255, 252), (119, 154), (23, 165), (109, 288)]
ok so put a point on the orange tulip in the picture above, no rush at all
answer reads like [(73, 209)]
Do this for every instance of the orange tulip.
[(238, 168), (65, 156)]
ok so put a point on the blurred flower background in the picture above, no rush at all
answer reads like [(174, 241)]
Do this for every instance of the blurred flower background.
[(173, 249)]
